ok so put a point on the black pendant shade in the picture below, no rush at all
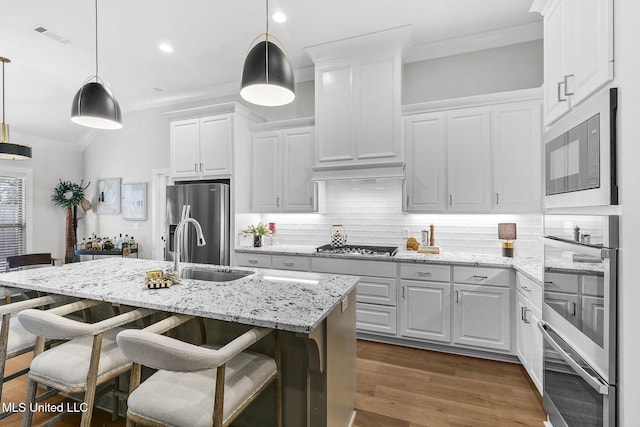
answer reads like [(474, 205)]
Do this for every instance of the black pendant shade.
[(95, 106), (9, 151), (267, 76)]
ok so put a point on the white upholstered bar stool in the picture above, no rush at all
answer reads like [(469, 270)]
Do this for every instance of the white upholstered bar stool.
[(197, 386), (90, 358), (14, 338)]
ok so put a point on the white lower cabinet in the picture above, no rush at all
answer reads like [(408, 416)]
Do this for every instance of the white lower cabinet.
[(425, 310), (482, 316), (529, 346)]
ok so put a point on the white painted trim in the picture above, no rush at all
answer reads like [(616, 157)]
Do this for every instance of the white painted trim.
[(214, 110), (26, 173), (475, 42), (159, 180), (282, 124), (533, 94), (539, 6)]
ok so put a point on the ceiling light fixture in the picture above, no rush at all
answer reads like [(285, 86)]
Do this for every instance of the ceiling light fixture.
[(9, 151), (279, 17), (165, 47), (94, 104), (267, 75)]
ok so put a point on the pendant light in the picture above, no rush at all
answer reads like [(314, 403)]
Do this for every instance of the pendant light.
[(9, 151), (94, 104), (267, 75)]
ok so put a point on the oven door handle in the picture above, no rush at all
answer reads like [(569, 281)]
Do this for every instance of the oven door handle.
[(602, 253), (596, 383)]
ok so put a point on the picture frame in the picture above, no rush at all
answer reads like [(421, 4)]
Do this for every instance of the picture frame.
[(134, 201), (108, 196)]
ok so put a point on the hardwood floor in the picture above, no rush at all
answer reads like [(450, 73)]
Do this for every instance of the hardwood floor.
[(396, 387), (406, 387)]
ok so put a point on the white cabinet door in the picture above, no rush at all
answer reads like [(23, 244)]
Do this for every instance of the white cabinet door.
[(536, 348), (266, 169), (516, 147), (556, 74), (522, 330), (592, 47), (469, 159), (482, 316), (185, 147), (297, 161), (376, 318), (426, 145), (425, 310), (377, 89), (335, 114), (564, 304), (529, 338), (215, 145)]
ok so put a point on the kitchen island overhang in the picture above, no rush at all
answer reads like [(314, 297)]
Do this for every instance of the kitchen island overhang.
[(316, 312)]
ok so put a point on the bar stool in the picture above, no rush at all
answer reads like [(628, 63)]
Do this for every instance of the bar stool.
[(90, 358), (197, 385), (26, 260)]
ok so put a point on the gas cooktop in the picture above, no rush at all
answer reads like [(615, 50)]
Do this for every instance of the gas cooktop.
[(358, 250)]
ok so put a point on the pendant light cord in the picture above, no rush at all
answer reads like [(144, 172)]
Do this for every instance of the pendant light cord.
[(266, 60), (3, 91), (96, 4)]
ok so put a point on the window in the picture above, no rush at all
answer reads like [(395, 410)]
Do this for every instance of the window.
[(12, 217)]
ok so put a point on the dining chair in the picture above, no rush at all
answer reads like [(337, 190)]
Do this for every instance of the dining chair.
[(197, 385), (89, 358), (21, 261)]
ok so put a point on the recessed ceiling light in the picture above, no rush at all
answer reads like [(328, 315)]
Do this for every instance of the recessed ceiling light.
[(279, 17), (165, 47)]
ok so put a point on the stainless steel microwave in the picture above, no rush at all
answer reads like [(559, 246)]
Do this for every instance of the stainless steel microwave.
[(580, 155)]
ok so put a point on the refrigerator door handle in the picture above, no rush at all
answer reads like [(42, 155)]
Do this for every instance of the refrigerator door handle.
[(596, 383)]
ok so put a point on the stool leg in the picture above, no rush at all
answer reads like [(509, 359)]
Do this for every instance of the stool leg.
[(4, 341), (30, 399), (92, 379), (115, 409)]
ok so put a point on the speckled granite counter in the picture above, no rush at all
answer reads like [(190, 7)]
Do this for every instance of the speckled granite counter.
[(285, 300), (531, 267)]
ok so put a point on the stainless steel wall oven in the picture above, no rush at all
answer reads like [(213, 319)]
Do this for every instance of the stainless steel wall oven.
[(579, 323)]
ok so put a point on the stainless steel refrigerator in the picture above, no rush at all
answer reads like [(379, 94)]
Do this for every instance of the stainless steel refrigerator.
[(207, 203)]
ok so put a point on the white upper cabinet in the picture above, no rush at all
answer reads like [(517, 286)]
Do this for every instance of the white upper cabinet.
[(484, 158), (469, 159), (282, 157), (578, 52), (358, 110), (201, 146), (426, 146), (516, 131)]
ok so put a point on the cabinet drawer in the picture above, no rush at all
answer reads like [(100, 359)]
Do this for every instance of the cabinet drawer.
[(254, 260), (376, 290), (558, 282), (428, 272), (354, 266), (483, 276), (530, 289), (284, 262), (376, 318)]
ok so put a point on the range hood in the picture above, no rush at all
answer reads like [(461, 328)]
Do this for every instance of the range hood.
[(350, 172)]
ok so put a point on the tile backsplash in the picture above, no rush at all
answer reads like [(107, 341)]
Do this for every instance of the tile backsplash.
[(370, 211)]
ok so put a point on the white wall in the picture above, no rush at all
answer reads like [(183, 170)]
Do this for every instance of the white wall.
[(501, 69), (627, 69), (52, 160)]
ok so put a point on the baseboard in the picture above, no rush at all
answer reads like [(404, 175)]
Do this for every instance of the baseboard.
[(353, 419)]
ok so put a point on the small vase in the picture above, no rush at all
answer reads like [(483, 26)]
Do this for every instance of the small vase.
[(257, 241)]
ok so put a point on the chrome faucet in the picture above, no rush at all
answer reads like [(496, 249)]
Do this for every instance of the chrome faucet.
[(178, 240)]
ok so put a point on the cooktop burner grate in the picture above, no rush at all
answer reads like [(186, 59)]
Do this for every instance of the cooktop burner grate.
[(358, 250)]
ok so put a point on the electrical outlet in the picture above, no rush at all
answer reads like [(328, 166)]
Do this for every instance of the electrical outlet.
[(405, 233)]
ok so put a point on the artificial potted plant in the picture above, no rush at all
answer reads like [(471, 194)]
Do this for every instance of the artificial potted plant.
[(69, 195), (258, 231)]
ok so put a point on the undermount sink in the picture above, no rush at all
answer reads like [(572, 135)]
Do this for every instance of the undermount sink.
[(226, 275)]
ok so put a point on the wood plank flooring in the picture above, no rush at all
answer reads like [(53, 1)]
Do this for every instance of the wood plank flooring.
[(396, 387)]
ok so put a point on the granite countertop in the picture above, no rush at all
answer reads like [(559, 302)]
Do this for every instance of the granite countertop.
[(285, 300), (531, 267)]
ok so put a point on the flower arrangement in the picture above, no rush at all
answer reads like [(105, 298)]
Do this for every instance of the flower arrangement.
[(258, 231)]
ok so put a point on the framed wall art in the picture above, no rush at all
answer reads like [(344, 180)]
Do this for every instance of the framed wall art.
[(108, 196), (134, 201)]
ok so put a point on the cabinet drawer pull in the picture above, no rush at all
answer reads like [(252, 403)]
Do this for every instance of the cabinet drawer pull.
[(523, 314), (277, 201), (450, 199), (476, 277), (253, 261), (525, 288), (407, 205), (457, 296), (201, 167), (572, 308), (195, 167), (497, 198), (424, 273), (404, 292), (289, 264)]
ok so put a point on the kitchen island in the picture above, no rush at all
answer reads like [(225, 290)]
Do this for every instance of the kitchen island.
[(314, 312)]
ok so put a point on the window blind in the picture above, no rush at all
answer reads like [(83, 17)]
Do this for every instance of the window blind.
[(12, 217)]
